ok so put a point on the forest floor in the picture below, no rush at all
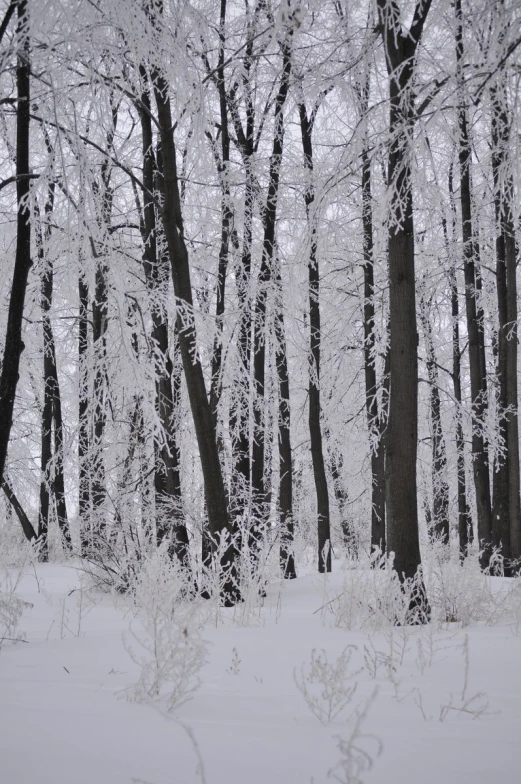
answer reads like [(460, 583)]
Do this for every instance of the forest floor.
[(446, 704)]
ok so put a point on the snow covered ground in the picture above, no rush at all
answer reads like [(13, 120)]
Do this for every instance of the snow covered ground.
[(447, 707)]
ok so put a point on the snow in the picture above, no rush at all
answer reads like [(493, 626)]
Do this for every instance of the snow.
[(66, 716)]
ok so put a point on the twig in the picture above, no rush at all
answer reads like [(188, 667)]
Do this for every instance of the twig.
[(13, 639)]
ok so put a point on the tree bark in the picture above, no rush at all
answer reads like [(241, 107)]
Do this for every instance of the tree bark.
[(100, 314), (226, 219), (52, 486), (402, 531), (84, 499), (478, 381), (315, 411), (501, 501), (375, 416), (13, 338), (30, 533), (219, 522), (241, 392), (287, 558), (511, 253), (465, 530), (167, 480), (259, 495), (440, 488), (507, 514)]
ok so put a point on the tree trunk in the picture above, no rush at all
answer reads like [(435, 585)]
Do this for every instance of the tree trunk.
[(506, 527), (241, 392), (259, 495), (226, 220), (167, 481), (30, 533), (440, 487), (59, 477), (240, 407), (52, 486), (501, 505), (287, 558), (465, 531), (46, 445), (478, 381), (99, 346), (84, 500), (13, 338), (375, 417), (219, 523), (511, 254), (315, 427), (402, 531)]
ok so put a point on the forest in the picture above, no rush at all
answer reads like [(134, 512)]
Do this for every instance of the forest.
[(259, 360)]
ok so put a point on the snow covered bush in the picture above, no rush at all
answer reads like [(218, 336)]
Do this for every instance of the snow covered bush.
[(166, 641), (252, 570), (373, 598), (508, 605), (327, 686), (459, 592), (11, 606), (115, 563), (15, 550), (11, 609)]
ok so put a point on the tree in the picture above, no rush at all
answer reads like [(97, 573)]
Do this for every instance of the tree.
[(167, 481), (52, 487), (265, 278), (14, 346), (376, 411), (440, 487), (315, 413), (465, 529), (219, 522), (478, 381), (400, 47), (506, 508)]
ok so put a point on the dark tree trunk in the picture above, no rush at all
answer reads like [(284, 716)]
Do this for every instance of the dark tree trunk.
[(440, 488), (478, 381), (341, 497), (46, 444), (241, 393), (99, 346), (315, 427), (167, 481), (287, 559), (226, 219), (335, 465), (239, 413), (84, 501), (30, 533), (13, 338), (506, 525), (512, 383), (52, 487), (219, 523), (402, 530), (59, 477), (465, 531), (100, 314), (375, 417), (259, 494), (134, 439), (500, 503)]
